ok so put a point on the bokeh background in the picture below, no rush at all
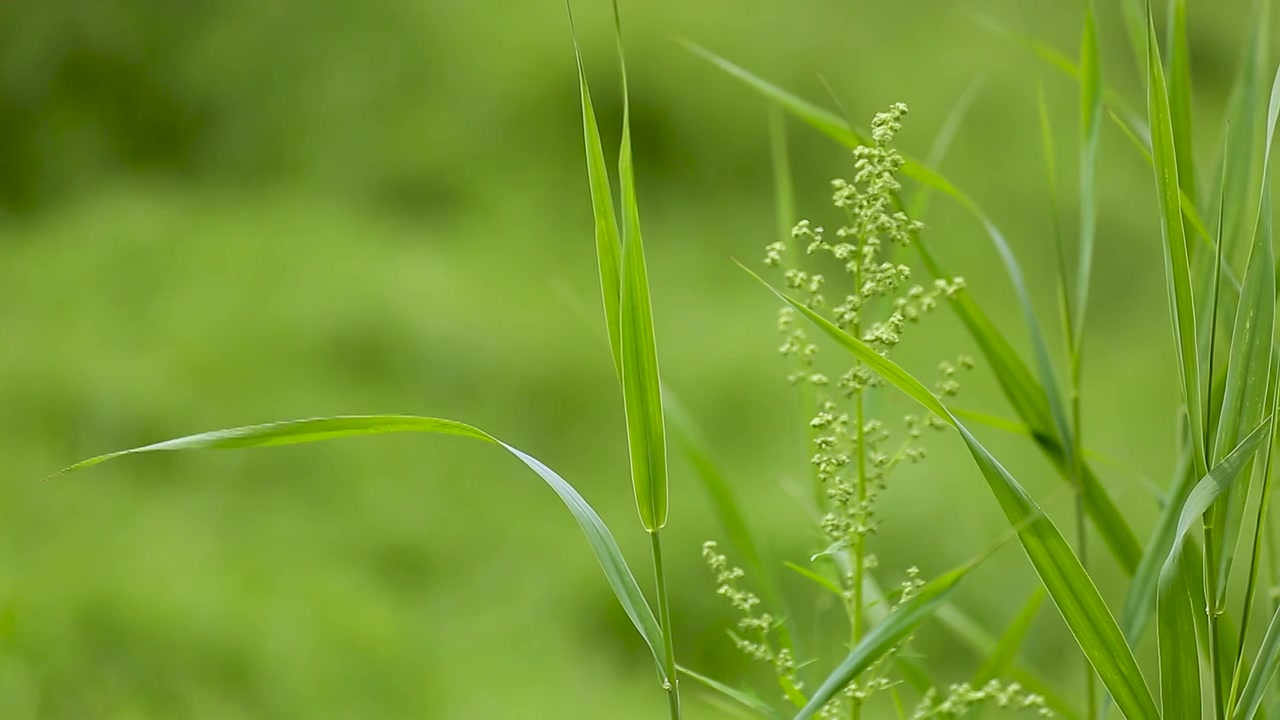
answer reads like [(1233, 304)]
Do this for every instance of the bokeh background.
[(220, 213)]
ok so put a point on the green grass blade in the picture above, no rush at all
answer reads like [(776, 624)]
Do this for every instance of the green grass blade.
[(942, 141), (1140, 598), (727, 509), (884, 637), (1090, 126), (733, 521), (608, 241), (1210, 487), (291, 432), (1002, 657), (1245, 400), (818, 579), (1135, 24), (1177, 264), (1174, 613), (1060, 251), (826, 121), (1180, 98), (1264, 669), (1245, 396), (784, 201), (1071, 588), (641, 386), (1179, 661), (746, 699), (1030, 400), (1243, 163)]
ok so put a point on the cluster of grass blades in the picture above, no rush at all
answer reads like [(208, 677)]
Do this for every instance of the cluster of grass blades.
[(1209, 664), (1214, 658)]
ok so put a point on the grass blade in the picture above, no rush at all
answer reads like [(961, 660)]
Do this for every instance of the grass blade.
[(1140, 598), (641, 387), (884, 637), (942, 141), (745, 699), (1090, 125), (1029, 398), (728, 511), (1002, 657), (1177, 265), (1180, 97), (291, 432), (608, 241), (1210, 487), (1179, 661), (1071, 588), (1245, 398), (1255, 688)]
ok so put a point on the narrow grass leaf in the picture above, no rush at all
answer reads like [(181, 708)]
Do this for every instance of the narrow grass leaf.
[(753, 553), (784, 202), (1175, 614), (1179, 661), (942, 141), (608, 241), (1210, 487), (641, 386), (1245, 397), (1000, 660), (1090, 127), (821, 581), (1177, 265), (1264, 669), (1140, 599), (1071, 588), (746, 699), (291, 432), (1180, 98), (1242, 164), (825, 120), (884, 637)]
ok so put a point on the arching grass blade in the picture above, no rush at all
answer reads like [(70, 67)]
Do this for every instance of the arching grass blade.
[(292, 432)]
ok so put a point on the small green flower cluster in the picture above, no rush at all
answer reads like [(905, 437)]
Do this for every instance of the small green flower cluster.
[(962, 698), (755, 635), (854, 454)]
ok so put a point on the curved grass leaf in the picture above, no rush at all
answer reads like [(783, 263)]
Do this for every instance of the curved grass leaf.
[(1255, 688), (733, 521), (884, 637), (746, 699), (1140, 599), (1175, 613), (309, 430), (1210, 487), (1071, 588), (1000, 660), (1179, 661), (1029, 398)]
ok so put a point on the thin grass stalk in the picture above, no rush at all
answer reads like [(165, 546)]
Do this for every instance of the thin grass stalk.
[(672, 684), (860, 546)]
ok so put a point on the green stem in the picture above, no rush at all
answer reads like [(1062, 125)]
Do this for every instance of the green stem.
[(672, 685), (1215, 631), (860, 545)]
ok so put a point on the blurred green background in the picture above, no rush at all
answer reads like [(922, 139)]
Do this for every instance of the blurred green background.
[(220, 213)]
